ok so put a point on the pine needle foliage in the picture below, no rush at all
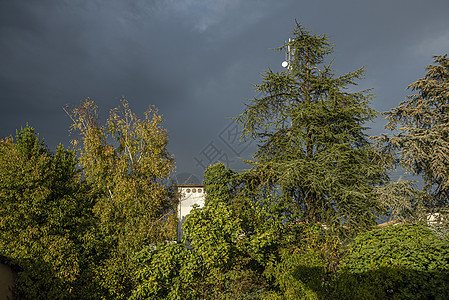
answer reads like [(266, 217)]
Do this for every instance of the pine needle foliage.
[(310, 129), (402, 202), (423, 123)]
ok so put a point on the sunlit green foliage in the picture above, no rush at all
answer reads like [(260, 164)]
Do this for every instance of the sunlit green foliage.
[(130, 173), (233, 235), (396, 262), (229, 247), (128, 166), (167, 271), (44, 211), (306, 263), (239, 249)]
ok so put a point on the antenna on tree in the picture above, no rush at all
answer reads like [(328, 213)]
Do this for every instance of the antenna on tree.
[(288, 55)]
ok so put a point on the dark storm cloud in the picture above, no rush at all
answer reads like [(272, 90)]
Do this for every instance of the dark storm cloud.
[(54, 54), (195, 59)]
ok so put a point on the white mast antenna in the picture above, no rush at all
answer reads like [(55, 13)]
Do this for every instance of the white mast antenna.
[(288, 56)]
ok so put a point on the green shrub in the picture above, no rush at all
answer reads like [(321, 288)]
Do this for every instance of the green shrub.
[(166, 272), (396, 262), (305, 264)]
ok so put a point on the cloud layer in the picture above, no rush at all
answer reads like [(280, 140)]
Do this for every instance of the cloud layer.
[(195, 59)]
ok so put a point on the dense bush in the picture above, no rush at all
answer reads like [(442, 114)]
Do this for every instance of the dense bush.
[(396, 262), (306, 263), (166, 272)]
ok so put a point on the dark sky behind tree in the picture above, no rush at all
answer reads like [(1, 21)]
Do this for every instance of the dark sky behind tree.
[(195, 60)]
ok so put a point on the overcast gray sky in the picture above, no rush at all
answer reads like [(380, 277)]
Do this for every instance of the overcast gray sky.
[(196, 60)]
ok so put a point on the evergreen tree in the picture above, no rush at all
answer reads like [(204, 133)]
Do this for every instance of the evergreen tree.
[(310, 132), (423, 122)]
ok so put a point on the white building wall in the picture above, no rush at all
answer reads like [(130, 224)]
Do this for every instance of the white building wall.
[(189, 195)]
